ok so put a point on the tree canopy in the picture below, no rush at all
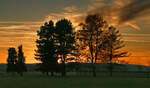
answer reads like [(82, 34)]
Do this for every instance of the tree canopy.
[(55, 42), (46, 48)]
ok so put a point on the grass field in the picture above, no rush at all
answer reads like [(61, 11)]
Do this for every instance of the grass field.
[(32, 79), (36, 80)]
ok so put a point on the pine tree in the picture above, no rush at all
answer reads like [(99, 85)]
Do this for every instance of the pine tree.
[(20, 65), (66, 41), (46, 48), (11, 60), (113, 44)]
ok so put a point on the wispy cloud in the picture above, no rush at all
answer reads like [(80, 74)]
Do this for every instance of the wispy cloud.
[(75, 17), (135, 35), (94, 1), (136, 41), (70, 9), (14, 33), (9, 25), (95, 5), (122, 12), (133, 25)]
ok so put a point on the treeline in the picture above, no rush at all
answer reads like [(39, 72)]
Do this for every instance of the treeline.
[(16, 61), (59, 43)]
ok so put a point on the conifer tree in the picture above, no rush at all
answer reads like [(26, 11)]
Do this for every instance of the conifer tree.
[(11, 60), (20, 65), (65, 37), (113, 45), (46, 48)]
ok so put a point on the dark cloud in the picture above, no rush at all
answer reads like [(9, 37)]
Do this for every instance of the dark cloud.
[(122, 11), (134, 9)]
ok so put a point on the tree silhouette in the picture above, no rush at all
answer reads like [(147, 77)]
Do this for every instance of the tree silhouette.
[(46, 48), (65, 40), (20, 64), (11, 60), (113, 44), (90, 37)]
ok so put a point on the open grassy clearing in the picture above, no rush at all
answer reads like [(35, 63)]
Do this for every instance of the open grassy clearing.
[(37, 80), (124, 79), (74, 82)]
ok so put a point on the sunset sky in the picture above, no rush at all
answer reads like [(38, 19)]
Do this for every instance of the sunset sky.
[(20, 19)]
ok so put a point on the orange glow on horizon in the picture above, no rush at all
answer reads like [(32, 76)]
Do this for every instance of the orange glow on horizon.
[(135, 58)]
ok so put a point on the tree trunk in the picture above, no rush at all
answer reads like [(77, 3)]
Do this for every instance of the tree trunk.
[(111, 69), (47, 74), (92, 56), (111, 65), (94, 72), (64, 70), (93, 65), (52, 74), (64, 67)]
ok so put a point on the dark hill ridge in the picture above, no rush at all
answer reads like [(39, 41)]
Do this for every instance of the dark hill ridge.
[(30, 67), (87, 67), (117, 67)]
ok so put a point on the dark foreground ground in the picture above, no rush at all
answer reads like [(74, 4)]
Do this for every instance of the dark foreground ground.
[(127, 77), (36, 80)]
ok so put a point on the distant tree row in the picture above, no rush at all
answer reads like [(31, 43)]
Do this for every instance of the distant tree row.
[(95, 41), (58, 43), (99, 41), (55, 42), (16, 61)]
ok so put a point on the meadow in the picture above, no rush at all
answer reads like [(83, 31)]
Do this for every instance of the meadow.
[(37, 80), (32, 79)]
